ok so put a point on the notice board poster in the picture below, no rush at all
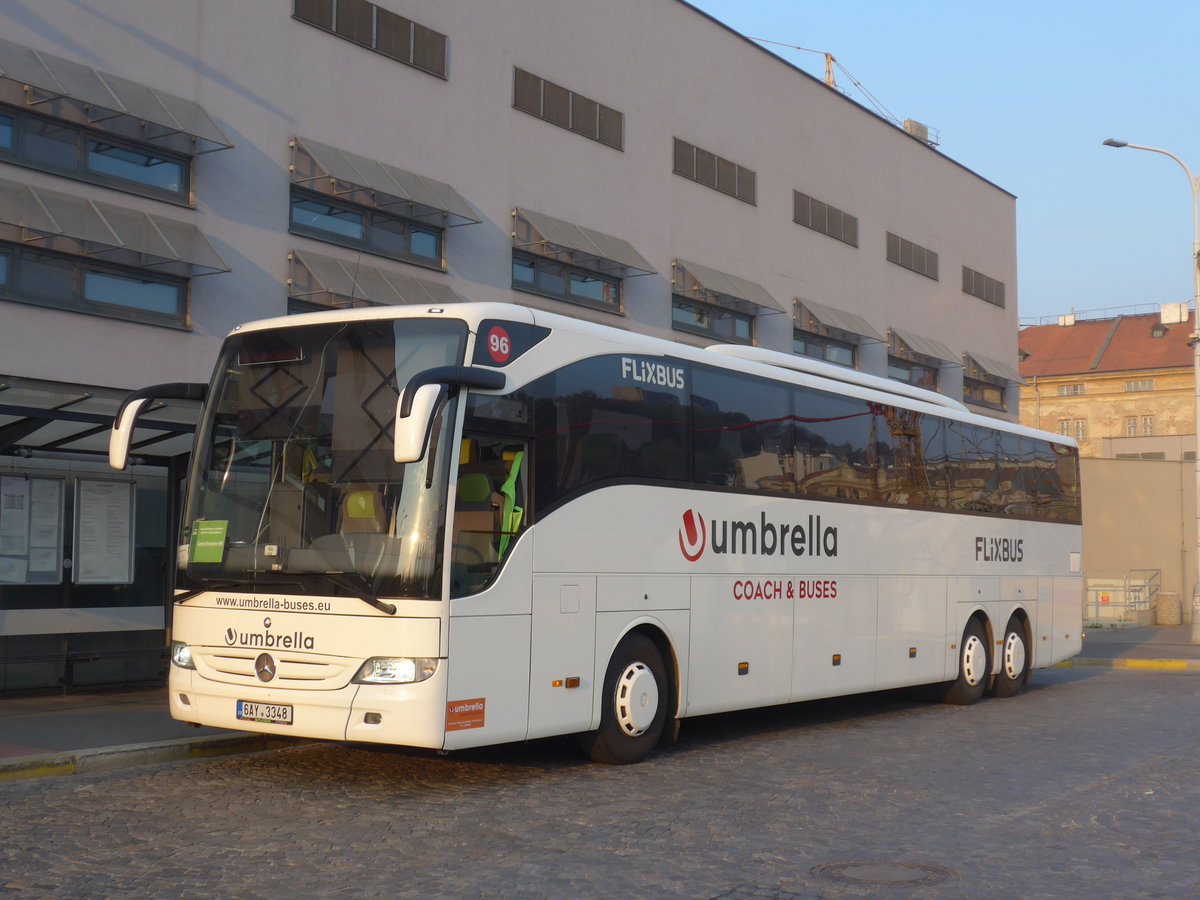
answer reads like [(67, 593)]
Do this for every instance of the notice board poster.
[(31, 530), (103, 532)]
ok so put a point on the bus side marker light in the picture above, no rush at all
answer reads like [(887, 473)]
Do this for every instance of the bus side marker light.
[(837, 659), (573, 682), (372, 718), (743, 668), (557, 682), (912, 652)]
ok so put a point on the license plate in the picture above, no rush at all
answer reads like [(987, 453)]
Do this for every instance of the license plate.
[(267, 713)]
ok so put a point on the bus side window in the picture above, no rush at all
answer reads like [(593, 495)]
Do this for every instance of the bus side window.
[(489, 509)]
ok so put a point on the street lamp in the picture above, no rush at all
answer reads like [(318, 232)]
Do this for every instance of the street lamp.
[(1194, 343)]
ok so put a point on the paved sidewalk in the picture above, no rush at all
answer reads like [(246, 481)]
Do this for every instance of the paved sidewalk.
[(93, 732), (1166, 647), (57, 735)]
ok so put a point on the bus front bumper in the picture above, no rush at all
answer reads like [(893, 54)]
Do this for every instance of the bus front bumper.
[(411, 715)]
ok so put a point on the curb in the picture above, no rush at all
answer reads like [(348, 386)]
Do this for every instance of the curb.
[(110, 759), (1144, 665)]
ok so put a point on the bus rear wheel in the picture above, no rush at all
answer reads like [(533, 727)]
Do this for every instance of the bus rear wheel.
[(634, 710), (974, 667), (1014, 663)]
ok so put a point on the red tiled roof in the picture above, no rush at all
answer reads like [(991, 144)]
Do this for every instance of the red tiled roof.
[(1104, 345)]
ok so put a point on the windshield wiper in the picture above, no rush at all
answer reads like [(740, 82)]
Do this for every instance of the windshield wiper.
[(207, 586), (340, 579)]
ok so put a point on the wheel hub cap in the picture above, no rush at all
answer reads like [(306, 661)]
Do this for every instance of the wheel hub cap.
[(974, 660), (636, 699), (1014, 656)]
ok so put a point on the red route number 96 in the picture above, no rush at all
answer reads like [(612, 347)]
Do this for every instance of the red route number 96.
[(499, 344)]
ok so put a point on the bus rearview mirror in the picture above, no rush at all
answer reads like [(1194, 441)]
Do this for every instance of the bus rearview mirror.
[(121, 438), (122, 433), (412, 431)]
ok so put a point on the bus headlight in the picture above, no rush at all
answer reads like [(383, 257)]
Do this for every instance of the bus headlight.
[(395, 670), (181, 655)]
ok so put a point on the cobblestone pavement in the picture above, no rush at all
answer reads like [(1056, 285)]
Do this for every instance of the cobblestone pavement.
[(1086, 785)]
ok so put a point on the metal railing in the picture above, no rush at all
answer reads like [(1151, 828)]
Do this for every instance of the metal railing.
[(1126, 598)]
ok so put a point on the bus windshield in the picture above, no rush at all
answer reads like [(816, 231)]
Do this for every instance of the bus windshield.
[(293, 484)]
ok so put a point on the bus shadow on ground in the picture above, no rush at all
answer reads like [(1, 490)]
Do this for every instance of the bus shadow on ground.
[(697, 734)]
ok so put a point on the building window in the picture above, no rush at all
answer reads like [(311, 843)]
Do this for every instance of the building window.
[(378, 29), (1081, 429), (914, 373), (1070, 390), (711, 321), (912, 256), (719, 174), (1064, 427), (984, 392), (982, 286), (1144, 384), (338, 222), (812, 213), (1147, 425), (816, 346), (569, 110), (80, 284), (550, 278), (1131, 426), (64, 148)]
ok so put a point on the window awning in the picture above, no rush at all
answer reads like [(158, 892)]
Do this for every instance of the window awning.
[(995, 367), (915, 343), (339, 283), (372, 183), (708, 285), (585, 247), (51, 417), (837, 318), (112, 102), (78, 225)]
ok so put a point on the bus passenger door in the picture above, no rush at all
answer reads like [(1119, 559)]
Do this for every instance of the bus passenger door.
[(563, 654)]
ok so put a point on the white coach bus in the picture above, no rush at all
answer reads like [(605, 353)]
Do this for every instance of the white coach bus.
[(451, 527)]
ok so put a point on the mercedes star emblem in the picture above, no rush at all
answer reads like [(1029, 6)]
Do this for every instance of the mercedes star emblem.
[(265, 667)]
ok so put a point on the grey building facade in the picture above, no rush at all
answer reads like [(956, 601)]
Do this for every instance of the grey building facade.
[(170, 170)]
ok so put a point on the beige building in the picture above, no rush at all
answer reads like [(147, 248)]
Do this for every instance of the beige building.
[(1121, 386), (1124, 388), (170, 170)]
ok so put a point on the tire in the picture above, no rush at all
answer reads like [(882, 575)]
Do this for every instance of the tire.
[(1014, 661), (974, 667), (634, 711)]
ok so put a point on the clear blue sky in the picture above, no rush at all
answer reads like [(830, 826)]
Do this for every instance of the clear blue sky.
[(1023, 93)]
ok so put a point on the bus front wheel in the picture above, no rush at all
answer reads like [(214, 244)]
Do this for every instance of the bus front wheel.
[(634, 710), (974, 667)]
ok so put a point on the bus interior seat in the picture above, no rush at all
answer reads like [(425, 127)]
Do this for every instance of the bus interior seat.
[(361, 543), (363, 513), (477, 514), (477, 510)]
